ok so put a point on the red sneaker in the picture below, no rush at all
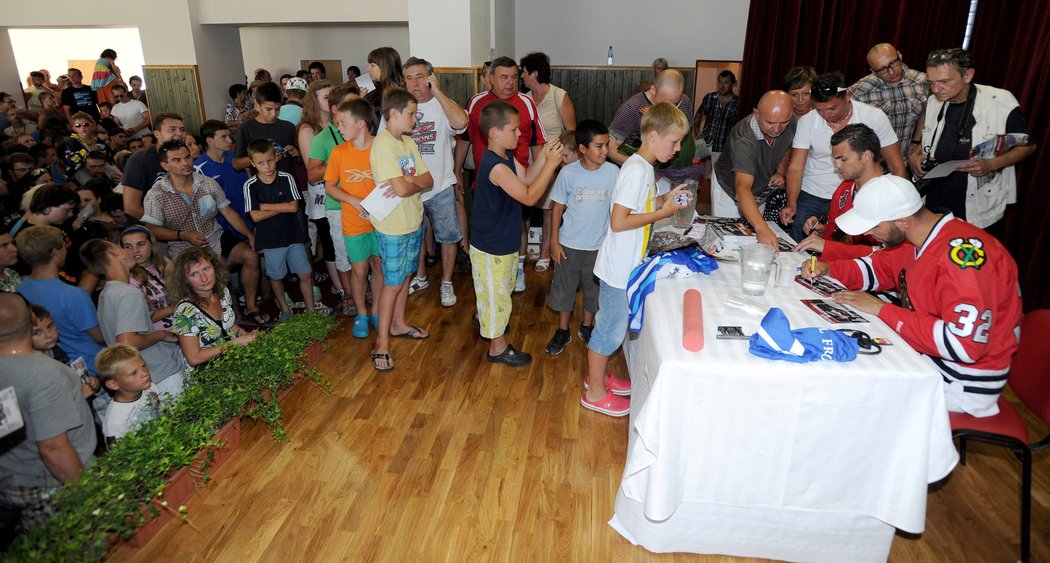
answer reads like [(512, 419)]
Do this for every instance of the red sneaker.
[(617, 386), (610, 404)]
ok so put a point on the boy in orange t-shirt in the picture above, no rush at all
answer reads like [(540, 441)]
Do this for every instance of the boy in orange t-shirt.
[(348, 179)]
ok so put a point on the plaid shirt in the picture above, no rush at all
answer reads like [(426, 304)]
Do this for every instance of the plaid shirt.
[(901, 102), (167, 207), (720, 119)]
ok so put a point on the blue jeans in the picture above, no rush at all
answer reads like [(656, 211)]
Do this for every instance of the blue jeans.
[(443, 219), (610, 322), (808, 205)]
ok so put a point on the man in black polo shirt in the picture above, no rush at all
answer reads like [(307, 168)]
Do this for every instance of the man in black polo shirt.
[(143, 168)]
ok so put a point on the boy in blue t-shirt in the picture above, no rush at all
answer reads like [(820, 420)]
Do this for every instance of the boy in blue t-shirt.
[(216, 162), (579, 220), (503, 185), (273, 201)]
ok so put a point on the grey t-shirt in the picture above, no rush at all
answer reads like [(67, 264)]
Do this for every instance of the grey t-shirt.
[(51, 403), (747, 151), (121, 309)]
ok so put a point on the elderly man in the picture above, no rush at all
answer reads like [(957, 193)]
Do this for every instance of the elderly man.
[(958, 289), (438, 120), (754, 161), (959, 116), (626, 126), (897, 90), (57, 438), (532, 138), (811, 178)]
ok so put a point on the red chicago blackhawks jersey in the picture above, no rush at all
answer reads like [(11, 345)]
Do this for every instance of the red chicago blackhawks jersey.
[(961, 306)]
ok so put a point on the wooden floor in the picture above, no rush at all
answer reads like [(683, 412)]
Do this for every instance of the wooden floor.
[(451, 458)]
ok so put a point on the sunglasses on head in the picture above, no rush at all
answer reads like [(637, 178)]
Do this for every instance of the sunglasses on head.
[(959, 57), (828, 91)]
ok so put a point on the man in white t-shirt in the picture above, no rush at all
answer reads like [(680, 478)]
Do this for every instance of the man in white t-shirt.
[(131, 114), (437, 119), (811, 176)]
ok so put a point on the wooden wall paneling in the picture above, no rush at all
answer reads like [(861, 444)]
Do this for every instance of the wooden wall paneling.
[(176, 89), (458, 83), (597, 92)]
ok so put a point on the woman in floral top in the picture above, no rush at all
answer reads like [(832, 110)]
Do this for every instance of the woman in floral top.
[(148, 274), (204, 317), (9, 279)]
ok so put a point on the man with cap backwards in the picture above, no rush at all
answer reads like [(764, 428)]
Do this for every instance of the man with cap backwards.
[(960, 302)]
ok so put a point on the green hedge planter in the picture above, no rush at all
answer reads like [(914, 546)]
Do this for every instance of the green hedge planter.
[(122, 490)]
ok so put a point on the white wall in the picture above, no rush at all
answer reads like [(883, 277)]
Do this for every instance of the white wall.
[(301, 11), (9, 78), (682, 31), (164, 27), (430, 25), (506, 24), (52, 49), (480, 50), (279, 49)]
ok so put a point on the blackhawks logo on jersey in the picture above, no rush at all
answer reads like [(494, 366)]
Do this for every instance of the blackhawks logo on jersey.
[(968, 253)]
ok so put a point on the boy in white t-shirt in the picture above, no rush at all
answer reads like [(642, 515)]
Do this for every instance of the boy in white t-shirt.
[(123, 371), (625, 246)]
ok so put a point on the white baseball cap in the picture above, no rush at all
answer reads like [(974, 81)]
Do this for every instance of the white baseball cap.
[(296, 83), (885, 198)]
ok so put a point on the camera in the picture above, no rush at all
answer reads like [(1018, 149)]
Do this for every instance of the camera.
[(928, 164)]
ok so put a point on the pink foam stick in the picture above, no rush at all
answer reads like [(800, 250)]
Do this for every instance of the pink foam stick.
[(693, 321)]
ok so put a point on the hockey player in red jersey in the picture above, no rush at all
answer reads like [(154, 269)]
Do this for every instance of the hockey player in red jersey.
[(960, 300)]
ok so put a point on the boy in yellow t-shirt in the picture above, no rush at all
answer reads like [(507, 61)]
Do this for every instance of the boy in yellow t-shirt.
[(396, 161), (348, 179)]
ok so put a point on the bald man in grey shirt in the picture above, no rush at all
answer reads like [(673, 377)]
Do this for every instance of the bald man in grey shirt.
[(753, 161)]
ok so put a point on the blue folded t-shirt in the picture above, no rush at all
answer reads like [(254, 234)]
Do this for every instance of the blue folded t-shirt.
[(775, 340)]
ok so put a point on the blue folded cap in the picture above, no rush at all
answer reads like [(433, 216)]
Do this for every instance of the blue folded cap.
[(775, 340)]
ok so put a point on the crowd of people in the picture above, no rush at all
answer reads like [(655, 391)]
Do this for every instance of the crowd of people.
[(140, 251)]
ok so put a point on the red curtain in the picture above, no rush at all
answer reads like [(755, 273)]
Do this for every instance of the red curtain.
[(1011, 48), (836, 35)]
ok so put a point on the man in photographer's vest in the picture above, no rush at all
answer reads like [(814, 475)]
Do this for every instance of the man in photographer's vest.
[(960, 115)]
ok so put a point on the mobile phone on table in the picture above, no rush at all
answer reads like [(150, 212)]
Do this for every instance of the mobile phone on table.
[(731, 333)]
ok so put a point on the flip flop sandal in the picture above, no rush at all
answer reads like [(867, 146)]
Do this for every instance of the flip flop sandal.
[(414, 333), (376, 358), (543, 264), (256, 318)]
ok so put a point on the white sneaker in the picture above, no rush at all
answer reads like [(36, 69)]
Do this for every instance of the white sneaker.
[(418, 284), (519, 285), (448, 294)]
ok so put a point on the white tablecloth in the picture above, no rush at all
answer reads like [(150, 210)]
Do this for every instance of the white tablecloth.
[(734, 454)]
